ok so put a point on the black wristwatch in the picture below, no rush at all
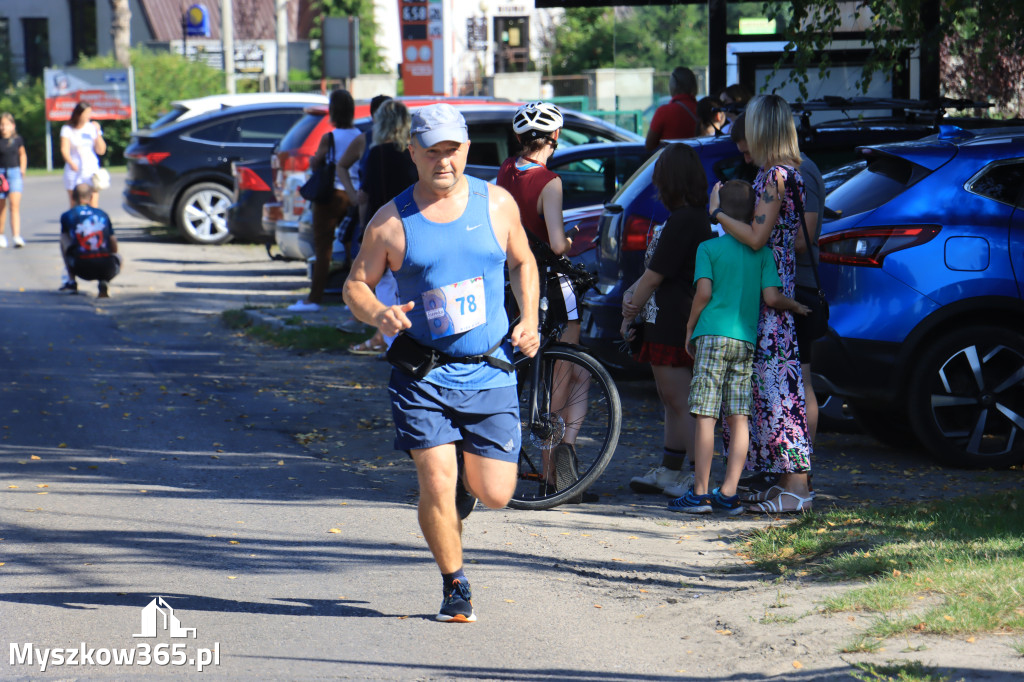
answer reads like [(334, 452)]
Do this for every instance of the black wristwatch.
[(714, 215)]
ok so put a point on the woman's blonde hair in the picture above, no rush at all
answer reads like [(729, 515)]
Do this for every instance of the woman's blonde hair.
[(8, 116), (391, 124), (771, 133)]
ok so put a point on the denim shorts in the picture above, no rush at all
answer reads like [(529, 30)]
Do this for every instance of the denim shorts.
[(485, 420), (722, 371), (14, 179)]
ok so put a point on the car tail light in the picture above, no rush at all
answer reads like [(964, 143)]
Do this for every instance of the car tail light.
[(296, 162), (634, 234), (870, 246), (150, 159), (249, 180)]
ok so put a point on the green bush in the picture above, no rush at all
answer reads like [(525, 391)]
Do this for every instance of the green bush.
[(160, 78)]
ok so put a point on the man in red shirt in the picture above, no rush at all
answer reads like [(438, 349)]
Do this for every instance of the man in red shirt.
[(678, 118)]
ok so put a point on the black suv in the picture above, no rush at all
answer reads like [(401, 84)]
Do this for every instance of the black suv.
[(180, 174)]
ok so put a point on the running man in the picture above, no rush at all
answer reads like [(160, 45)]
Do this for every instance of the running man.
[(447, 240)]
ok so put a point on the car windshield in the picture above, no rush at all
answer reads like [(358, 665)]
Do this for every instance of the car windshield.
[(884, 178), (298, 133), (637, 180)]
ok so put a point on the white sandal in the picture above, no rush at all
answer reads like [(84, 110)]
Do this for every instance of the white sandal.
[(776, 505), (764, 495)]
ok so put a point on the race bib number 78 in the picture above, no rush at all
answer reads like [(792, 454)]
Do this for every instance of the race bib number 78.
[(455, 308)]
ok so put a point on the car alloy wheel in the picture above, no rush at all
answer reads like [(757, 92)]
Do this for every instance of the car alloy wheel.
[(202, 213), (966, 398)]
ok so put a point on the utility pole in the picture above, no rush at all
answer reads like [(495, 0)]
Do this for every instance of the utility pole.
[(282, 46), (227, 36)]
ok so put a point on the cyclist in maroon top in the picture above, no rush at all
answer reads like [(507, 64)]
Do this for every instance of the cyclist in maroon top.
[(538, 192)]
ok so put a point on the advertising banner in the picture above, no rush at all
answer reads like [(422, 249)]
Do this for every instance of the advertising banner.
[(422, 27), (108, 92)]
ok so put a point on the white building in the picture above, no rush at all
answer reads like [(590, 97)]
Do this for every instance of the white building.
[(478, 37)]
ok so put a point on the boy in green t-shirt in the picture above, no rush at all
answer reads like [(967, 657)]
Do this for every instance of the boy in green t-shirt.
[(730, 278)]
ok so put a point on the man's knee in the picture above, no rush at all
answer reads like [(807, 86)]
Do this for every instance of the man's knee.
[(491, 481), (494, 497)]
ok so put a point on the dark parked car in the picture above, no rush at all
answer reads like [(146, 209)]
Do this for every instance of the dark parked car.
[(252, 191), (592, 173), (180, 173), (633, 213), (924, 270)]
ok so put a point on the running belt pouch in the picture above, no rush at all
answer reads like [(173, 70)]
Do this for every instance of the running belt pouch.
[(319, 188), (412, 357)]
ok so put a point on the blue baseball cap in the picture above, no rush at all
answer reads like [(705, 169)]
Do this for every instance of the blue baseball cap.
[(438, 123)]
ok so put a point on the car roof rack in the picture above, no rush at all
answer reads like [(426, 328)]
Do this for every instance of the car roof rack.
[(831, 103)]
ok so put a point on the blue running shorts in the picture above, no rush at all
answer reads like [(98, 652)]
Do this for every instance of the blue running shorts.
[(486, 420)]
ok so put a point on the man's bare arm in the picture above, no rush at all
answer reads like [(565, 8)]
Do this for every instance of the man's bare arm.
[(379, 242), (522, 269)]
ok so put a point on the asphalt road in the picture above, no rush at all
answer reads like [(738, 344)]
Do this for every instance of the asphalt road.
[(146, 450)]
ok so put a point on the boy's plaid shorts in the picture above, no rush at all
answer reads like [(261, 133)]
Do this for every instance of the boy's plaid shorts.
[(722, 371)]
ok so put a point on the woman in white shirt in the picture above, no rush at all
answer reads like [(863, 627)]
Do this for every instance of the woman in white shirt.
[(81, 145), (327, 216)]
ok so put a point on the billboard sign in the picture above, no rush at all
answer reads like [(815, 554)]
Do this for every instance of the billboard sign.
[(108, 92)]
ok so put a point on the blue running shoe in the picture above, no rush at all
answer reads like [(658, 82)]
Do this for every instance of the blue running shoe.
[(456, 606), (729, 505), (691, 503)]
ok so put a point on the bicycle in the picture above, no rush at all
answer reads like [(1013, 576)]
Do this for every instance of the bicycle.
[(565, 395)]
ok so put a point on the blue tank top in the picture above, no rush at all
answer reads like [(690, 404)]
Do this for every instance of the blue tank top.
[(444, 254)]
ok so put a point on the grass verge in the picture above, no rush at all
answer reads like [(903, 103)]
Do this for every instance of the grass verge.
[(953, 567), (295, 334), (897, 671)]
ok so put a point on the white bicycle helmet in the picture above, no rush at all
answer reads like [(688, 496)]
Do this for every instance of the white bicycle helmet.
[(536, 119)]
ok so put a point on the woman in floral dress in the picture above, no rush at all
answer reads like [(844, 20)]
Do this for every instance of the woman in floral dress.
[(779, 440)]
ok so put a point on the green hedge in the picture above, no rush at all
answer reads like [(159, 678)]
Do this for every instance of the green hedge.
[(160, 78)]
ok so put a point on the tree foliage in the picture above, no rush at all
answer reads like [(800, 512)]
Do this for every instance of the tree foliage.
[(986, 65), (370, 59), (658, 36), (982, 38)]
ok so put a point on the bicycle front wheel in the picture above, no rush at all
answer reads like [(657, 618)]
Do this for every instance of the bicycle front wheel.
[(577, 405)]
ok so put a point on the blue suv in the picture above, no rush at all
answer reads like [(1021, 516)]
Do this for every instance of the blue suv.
[(923, 265)]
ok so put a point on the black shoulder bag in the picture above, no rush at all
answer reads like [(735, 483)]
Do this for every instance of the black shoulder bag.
[(814, 299), (319, 188)]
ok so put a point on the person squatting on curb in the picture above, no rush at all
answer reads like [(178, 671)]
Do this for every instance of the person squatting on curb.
[(447, 240), (88, 244)]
